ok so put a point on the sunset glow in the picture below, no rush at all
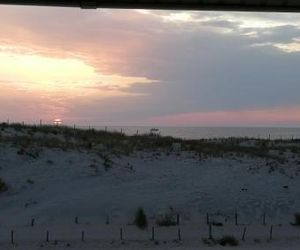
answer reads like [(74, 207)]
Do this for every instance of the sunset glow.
[(40, 73), (149, 67), (281, 117), (57, 122)]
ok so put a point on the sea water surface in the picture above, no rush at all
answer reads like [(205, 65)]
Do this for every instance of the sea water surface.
[(210, 132)]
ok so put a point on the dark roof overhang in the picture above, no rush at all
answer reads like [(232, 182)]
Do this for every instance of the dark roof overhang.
[(213, 5)]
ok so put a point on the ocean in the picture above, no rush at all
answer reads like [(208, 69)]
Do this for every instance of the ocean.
[(211, 132)]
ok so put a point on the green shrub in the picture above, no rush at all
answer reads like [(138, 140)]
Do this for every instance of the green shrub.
[(166, 221), (29, 181), (107, 164), (50, 162), (168, 218), (296, 219), (3, 186), (141, 218), (228, 241), (209, 242)]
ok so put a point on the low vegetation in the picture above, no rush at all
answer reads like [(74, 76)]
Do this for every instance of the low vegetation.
[(140, 218), (228, 241), (209, 242), (3, 186), (167, 219), (296, 219), (107, 162), (117, 143), (29, 181)]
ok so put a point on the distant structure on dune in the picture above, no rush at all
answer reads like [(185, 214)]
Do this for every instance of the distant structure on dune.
[(154, 131)]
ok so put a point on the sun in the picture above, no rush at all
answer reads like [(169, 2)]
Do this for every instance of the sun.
[(57, 121)]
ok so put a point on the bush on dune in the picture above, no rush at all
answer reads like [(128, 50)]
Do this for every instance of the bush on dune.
[(141, 218), (296, 219), (3, 186), (167, 219), (228, 241)]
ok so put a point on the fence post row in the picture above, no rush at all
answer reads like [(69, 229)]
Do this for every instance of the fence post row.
[(179, 236)]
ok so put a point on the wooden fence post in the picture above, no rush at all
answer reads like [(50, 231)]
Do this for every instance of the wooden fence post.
[(152, 236), (82, 236), (271, 232), (210, 231), (244, 234), (12, 236), (47, 236), (264, 219), (179, 234), (178, 219), (107, 220), (32, 222), (121, 233), (76, 220), (236, 218)]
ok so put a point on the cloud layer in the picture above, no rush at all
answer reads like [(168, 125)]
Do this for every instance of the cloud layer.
[(146, 67)]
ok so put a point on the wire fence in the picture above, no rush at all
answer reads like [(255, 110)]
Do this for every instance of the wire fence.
[(188, 231)]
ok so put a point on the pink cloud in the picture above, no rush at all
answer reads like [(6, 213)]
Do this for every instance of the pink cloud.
[(259, 117), (108, 41), (22, 105)]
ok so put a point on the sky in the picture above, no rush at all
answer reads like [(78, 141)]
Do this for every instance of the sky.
[(155, 68)]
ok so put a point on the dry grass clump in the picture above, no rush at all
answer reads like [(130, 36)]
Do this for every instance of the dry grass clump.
[(117, 143), (167, 219), (140, 218), (228, 241), (296, 219), (3, 186)]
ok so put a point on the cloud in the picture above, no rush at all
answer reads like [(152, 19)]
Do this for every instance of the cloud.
[(291, 47), (21, 105), (170, 63), (265, 117)]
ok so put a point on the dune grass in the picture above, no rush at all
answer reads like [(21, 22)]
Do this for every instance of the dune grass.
[(65, 138)]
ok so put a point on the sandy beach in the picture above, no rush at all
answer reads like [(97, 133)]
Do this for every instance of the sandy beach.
[(84, 186)]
